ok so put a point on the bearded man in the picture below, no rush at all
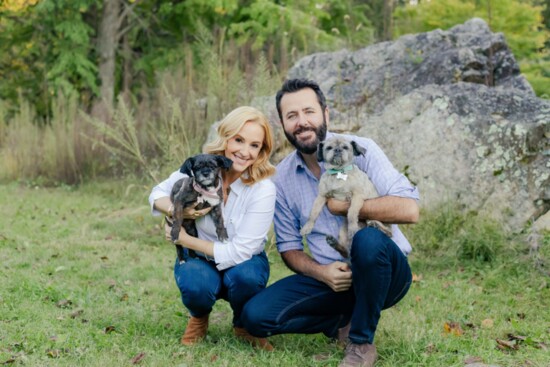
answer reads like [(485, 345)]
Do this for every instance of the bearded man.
[(327, 295)]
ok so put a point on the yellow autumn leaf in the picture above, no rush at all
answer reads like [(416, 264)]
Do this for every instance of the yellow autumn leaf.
[(453, 328)]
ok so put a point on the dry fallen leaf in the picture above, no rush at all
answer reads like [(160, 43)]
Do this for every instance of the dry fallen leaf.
[(137, 359), (506, 345), (76, 313), (416, 277), (53, 353), (64, 303), (454, 328), (472, 359), (110, 329), (487, 323)]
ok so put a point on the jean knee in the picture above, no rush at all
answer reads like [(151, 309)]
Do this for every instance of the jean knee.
[(368, 244), (252, 318)]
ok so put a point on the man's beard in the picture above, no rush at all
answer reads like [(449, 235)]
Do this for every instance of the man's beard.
[(308, 148)]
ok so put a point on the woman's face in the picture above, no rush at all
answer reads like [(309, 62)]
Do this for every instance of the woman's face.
[(243, 149)]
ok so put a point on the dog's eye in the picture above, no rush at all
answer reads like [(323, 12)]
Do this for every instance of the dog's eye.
[(328, 148), (345, 147)]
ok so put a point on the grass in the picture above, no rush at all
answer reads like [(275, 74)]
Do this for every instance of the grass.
[(86, 280)]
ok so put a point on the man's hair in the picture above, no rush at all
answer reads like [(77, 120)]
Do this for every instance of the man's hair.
[(295, 85)]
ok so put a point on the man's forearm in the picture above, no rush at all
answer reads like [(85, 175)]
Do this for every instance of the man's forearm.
[(387, 209), (301, 263), (391, 209)]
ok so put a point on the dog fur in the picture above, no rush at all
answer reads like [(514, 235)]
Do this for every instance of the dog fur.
[(343, 181), (203, 171)]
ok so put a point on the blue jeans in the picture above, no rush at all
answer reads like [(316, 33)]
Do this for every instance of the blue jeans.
[(301, 304), (201, 284)]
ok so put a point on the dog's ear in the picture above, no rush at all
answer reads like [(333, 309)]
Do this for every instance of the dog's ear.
[(357, 149), (187, 167), (223, 162), (320, 156)]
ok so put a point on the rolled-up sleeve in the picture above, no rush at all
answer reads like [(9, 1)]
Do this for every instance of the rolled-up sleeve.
[(163, 189), (251, 229), (287, 226)]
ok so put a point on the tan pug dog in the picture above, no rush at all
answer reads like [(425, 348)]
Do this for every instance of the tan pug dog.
[(343, 181)]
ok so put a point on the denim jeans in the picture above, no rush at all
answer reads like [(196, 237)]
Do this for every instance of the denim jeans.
[(300, 304), (201, 284)]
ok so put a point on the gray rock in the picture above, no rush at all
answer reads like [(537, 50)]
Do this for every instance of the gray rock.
[(452, 111)]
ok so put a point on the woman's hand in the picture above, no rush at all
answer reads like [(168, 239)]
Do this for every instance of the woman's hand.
[(192, 213), (168, 234)]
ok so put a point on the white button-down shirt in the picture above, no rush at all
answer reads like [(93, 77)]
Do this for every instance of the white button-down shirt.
[(248, 215)]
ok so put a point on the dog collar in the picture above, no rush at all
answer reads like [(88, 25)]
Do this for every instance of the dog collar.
[(212, 193), (340, 173), (334, 171)]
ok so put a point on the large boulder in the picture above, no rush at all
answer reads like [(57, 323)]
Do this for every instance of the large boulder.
[(452, 111)]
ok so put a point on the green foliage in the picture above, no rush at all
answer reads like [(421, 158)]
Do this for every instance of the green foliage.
[(448, 231), (47, 49)]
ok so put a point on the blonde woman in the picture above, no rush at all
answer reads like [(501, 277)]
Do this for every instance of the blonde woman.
[(237, 269)]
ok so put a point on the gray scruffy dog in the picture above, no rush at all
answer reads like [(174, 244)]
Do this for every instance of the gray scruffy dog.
[(203, 186), (343, 181)]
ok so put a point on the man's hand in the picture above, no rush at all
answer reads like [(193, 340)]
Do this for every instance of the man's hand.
[(337, 276)]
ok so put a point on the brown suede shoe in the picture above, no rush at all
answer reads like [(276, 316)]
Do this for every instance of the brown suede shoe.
[(195, 330), (359, 355), (258, 343), (343, 335)]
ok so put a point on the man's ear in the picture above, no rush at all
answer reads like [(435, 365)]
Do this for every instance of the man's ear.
[(357, 149), (187, 167), (224, 162), (320, 156)]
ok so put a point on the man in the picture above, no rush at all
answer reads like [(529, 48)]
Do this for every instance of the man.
[(325, 295)]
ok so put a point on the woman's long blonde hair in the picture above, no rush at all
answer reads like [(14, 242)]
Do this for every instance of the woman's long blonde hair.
[(230, 126)]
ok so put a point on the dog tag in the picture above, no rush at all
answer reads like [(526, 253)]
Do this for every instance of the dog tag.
[(341, 176)]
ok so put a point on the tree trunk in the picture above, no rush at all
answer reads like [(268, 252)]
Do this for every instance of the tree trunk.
[(107, 44), (388, 20)]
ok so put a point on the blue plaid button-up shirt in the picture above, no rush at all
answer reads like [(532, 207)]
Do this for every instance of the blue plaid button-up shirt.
[(297, 188)]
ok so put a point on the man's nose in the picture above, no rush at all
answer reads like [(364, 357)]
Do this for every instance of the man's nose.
[(302, 119)]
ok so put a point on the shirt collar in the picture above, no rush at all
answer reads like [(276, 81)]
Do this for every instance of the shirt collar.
[(238, 186)]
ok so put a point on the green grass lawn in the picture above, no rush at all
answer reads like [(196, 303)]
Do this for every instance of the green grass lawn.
[(86, 280)]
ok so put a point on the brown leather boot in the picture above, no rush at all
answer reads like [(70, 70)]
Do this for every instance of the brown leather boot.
[(359, 355), (195, 330), (259, 343)]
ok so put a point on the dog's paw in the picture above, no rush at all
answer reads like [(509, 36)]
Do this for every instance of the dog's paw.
[(386, 229), (306, 229), (222, 235), (333, 242)]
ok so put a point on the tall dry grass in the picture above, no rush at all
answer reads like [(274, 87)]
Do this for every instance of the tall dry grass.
[(147, 136)]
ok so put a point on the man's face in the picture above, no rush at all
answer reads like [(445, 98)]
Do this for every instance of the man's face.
[(304, 122)]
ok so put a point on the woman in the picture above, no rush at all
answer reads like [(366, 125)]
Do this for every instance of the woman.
[(237, 269)]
